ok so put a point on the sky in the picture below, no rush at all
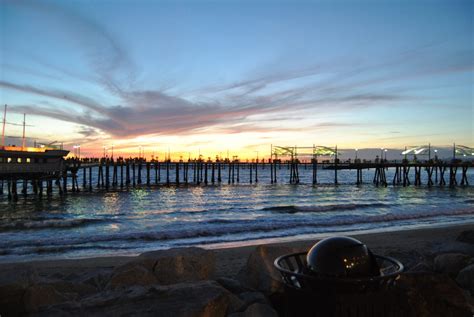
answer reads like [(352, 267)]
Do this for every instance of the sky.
[(209, 77)]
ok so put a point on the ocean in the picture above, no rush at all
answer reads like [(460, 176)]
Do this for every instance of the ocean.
[(128, 222)]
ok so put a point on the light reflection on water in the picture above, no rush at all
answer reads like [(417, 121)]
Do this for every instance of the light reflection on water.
[(129, 222)]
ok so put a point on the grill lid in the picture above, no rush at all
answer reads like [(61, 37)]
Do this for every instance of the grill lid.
[(342, 257)]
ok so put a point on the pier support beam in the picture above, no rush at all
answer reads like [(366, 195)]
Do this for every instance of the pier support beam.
[(464, 181)]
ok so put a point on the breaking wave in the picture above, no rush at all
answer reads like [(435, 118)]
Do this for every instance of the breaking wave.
[(48, 224), (291, 209), (208, 232)]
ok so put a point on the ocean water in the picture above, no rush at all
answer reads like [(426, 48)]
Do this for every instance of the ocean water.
[(126, 222)]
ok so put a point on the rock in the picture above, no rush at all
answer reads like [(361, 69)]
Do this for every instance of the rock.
[(432, 294), (131, 274), (250, 298), (98, 280), (453, 247), (466, 236), (260, 273), (409, 258), (421, 267), (180, 265), (231, 285), (74, 289), (257, 310), (451, 263), (465, 278), (203, 298), (37, 297), (164, 267), (12, 290)]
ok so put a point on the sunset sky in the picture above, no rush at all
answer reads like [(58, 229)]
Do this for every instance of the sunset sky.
[(213, 76)]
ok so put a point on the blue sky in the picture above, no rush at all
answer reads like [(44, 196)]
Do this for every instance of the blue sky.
[(212, 75)]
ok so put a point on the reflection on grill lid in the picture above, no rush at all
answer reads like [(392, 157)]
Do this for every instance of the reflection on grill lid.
[(342, 257)]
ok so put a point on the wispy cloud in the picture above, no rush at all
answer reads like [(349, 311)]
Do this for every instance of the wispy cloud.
[(227, 108)]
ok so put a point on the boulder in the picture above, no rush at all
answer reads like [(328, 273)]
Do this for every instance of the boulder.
[(250, 298), (98, 279), (260, 273), (12, 291), (430, 294), (130, 274), (203, 298), (421, 267), (451, 263), (180, 265), (465, 278), (71, 289), (26, 291), (38, 297), (466, 236), (164, 267), (257, 310), (231, 285)]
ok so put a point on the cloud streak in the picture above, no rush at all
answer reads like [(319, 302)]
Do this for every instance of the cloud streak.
[(227, 107)]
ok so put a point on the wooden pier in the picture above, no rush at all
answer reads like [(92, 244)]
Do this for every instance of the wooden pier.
[(106, 174)]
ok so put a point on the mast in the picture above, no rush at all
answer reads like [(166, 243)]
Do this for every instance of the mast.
[(23, 143), (4, 123)]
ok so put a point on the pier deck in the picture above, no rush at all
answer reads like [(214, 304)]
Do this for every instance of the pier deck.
[(122, 174)]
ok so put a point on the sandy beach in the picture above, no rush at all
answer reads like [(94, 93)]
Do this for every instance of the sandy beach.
[(39, 285), (421, 242)]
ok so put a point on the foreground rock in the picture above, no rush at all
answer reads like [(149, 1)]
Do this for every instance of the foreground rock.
[(165, 267), (260, 273), (431, 294), (27, 292), (134, 273), (12, 291), (466, 236), (421, 267), (465, 278), (204, 298), (451, 263), (257, 310)]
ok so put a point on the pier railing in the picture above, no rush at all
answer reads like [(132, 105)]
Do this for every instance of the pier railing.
[(107, 174)]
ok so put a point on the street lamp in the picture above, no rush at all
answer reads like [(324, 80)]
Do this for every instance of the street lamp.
[(105, 148), (385, 154), (75, 149), (112, 151), (356, 150), (257, 155)]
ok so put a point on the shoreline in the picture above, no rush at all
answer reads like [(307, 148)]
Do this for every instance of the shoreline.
[(230, 259)]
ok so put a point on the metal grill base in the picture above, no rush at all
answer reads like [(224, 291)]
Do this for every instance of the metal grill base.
[(387, 303)]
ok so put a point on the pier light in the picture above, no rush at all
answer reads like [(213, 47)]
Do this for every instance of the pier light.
[(75, 150), (356, 150)]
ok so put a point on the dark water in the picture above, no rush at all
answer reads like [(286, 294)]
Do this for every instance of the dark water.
[(130, 222)]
